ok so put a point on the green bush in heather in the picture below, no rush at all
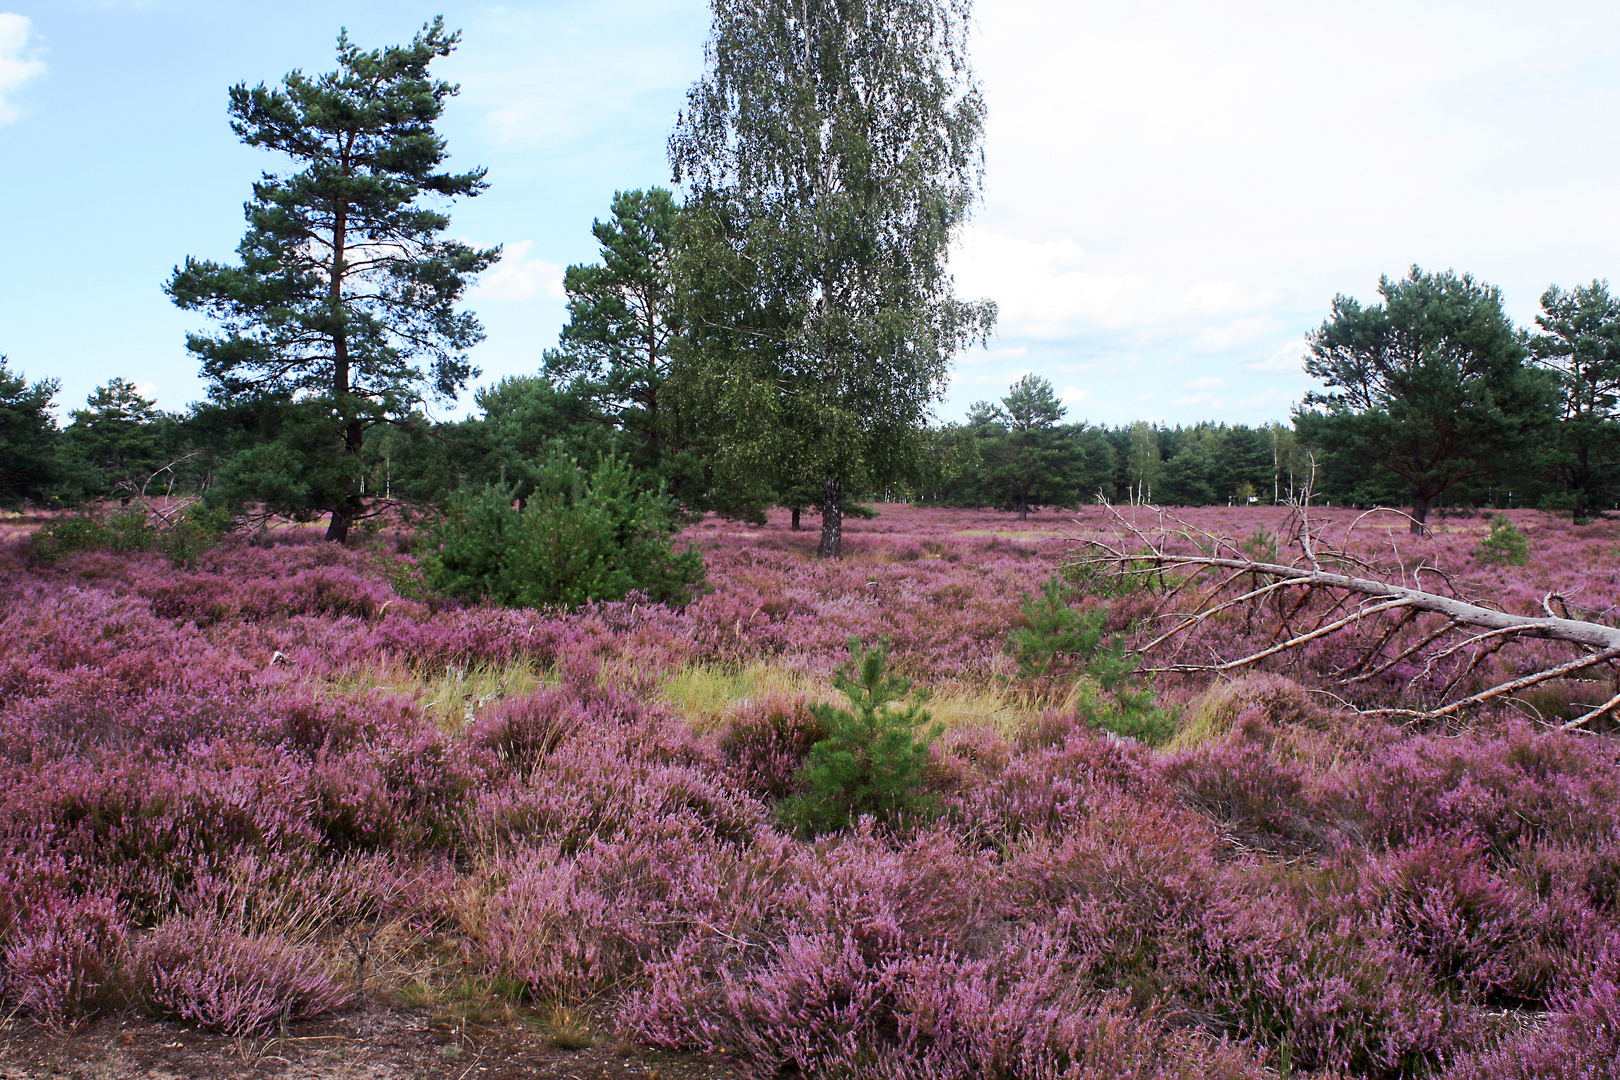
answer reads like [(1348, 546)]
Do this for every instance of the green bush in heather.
[(872, 759), (1506, 546), (576, 537)]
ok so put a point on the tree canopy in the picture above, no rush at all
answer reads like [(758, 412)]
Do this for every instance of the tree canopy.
[(1580, 346), (833, 146), (1429, 387), (346, 284), (28, 436)]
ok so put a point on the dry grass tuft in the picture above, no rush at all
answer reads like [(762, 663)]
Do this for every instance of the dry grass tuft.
[(570, 1030)]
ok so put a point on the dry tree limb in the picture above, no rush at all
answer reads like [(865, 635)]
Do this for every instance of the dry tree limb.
[(1136, 552), (1580, 721)]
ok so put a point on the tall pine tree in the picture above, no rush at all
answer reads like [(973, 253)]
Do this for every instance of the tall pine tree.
[(346, 284)]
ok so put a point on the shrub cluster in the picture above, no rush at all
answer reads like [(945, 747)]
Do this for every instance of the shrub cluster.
[(577, 537)]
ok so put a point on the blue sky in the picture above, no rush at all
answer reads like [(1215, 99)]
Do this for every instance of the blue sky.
[(1174, 193)]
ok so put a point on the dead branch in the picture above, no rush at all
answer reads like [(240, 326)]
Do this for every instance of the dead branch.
[(1397, 613)]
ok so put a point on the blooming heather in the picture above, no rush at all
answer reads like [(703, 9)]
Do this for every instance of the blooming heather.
[(212, 777)]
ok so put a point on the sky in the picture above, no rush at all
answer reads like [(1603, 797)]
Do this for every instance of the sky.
[(1175, 191)]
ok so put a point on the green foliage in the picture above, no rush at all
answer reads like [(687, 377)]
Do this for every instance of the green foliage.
[(131, 530), (1107, 581), (1506, 546), (1058, 639), (1428, 388), (345, 281), (872, 759), (28, 435), (831, 153), (1029, 457), (624, 322), (119, 440), (1580, 347), (1261, 546), (1132, 713), (575, 538)]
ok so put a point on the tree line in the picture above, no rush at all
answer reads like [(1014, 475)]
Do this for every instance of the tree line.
[(774, 333)]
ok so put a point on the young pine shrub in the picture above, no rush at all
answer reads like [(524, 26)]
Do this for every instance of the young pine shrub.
[(579, 537), (872, 759), (1505, 546), (1055, 640)]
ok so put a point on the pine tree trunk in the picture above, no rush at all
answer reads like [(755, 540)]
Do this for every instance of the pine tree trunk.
[(338, 530), (345, 512), (795, 519), (1420, 514), (832, 519)]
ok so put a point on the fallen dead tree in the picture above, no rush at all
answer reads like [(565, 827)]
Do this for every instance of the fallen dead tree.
[(1382, 626)]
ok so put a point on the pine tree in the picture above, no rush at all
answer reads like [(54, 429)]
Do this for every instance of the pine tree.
[(345, 282)]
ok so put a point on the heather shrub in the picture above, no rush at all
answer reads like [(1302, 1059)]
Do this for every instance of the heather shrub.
[(579, 537), (66, 960), (521, 731), (1506, 789), (767, 741), (872, 759), (1478, 932), (1249, 791), (1317, 982), (1505, 546), (1282, 702), (1581, 1038), (199, 970)]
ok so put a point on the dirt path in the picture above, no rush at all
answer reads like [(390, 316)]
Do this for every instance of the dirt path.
[(378, 1044)]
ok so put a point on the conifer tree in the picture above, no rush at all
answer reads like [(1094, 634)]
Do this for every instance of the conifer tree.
[(346, 284)]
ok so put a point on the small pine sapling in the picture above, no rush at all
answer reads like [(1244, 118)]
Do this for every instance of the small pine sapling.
[(1058, 642), (872, 759), (1057, 639), (1506, 546)]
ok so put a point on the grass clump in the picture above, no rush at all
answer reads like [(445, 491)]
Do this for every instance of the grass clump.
[(872, 759)]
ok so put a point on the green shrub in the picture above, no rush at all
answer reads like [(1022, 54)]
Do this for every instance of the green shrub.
[(579, 537), (1133, 713), (1506, 546), (124, 531), (872, 758), (1057, 639)]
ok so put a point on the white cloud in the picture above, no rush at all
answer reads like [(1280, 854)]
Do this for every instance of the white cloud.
[(1043, 289), (1267, 397), (1217, 298), (1288, 356), (518, 277), (1073, 395), (1235, 334), (17, 65)]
